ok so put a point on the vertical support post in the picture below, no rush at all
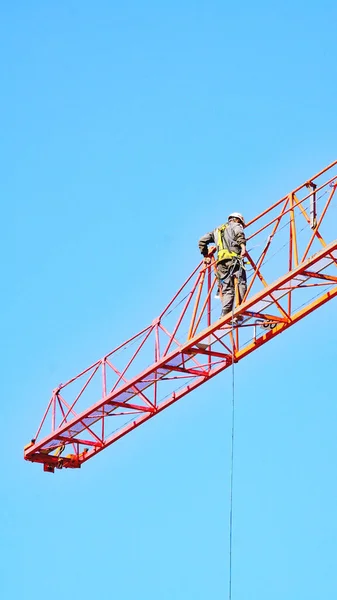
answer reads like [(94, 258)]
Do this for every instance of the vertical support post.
[(209, 301), (157, 344), (237, 339), (293, 251), (293, 231), (236, 293), (232, 341), (104, 376), (156, 357), (53, 419), (204, 306), (290, 263), (104, 390), (209, 306), (313, 208), (197, 300)]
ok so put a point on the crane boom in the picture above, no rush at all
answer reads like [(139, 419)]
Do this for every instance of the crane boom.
[(188, 344)]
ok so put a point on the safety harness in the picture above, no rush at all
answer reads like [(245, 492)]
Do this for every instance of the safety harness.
[(224, 253)]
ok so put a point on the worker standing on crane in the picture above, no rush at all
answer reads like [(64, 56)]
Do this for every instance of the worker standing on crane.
[(230, 242)]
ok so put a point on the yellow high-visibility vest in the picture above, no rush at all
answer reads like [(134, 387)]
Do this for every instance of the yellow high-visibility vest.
[(223, 251)]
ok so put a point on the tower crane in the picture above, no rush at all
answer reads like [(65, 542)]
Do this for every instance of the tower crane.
[(291, 271)]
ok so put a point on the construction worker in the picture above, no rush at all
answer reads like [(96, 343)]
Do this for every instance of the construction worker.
[(230, 242)]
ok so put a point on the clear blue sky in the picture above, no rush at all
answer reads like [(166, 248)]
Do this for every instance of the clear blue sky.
[(160, 117)]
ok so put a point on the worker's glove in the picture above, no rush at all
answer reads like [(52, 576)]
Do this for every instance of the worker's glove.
[(207, 260)]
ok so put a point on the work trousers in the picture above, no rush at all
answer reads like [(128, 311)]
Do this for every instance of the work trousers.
[(227, 272)]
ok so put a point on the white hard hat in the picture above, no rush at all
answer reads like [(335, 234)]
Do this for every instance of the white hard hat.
[(236, 215)]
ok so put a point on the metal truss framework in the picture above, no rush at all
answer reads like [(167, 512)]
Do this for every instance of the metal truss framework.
[(188, 344)]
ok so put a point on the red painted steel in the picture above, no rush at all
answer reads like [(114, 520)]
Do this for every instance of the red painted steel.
[(188, 344)]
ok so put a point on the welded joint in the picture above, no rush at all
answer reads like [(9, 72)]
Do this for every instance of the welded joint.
[(57, 389), (232, 361)]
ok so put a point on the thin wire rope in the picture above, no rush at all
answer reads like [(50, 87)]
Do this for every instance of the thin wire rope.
[(231, 470)]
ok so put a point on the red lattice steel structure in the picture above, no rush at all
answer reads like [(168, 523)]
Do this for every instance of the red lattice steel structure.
[(291, 271)]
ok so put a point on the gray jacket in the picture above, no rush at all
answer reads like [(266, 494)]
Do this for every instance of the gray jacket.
[(234, 237)]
